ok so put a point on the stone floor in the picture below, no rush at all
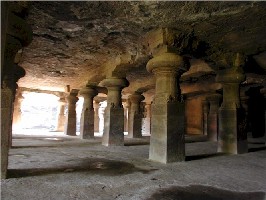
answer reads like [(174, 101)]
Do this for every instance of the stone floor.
[(60, 167)]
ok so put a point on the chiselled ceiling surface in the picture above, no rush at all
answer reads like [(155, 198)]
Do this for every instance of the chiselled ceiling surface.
[(73, 41)]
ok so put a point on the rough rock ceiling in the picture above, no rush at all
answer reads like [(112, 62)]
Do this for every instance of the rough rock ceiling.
[(73, 41)]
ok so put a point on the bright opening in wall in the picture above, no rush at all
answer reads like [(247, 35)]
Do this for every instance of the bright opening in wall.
[(38, 115), (39, 111)]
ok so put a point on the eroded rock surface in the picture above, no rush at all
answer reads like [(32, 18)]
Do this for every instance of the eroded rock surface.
[(73, 41)]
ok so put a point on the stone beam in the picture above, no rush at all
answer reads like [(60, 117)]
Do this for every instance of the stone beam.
[(118, 66), (56, 93)]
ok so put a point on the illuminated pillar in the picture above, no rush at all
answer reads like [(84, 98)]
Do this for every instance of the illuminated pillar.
[(167, 142), (114, 113), (61, 115), (87, 115)]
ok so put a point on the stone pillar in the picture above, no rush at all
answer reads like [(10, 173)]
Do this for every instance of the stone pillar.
[(206, 108), (87, 115), (263, 91), (96, 116), (167, 142), (113, 134), (61, 115), (15, 33), (70, 125), (135, 116), (101, 116), (146, 125), (231, 139), (244, 99), (17, 110), (126, 106), (212, 120)]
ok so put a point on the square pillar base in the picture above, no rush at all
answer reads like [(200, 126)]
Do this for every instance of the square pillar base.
[(136, 126), (70, 126), (113, 134), (232, 136), (87, 124), (6, 128), (167, 143)]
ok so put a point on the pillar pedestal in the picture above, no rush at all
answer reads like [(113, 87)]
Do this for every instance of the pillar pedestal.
[(61, 115), (135, 116), (70, 125), (113, 134), (167, 142), (87, 115), (212, 119), (232, 139)]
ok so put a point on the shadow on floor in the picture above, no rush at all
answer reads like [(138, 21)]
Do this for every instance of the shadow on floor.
[(90, 165), (201, 192), (203, 156), (256, 149), (136, 143)]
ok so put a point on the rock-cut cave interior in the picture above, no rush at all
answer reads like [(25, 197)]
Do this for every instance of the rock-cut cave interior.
[(133, 100)]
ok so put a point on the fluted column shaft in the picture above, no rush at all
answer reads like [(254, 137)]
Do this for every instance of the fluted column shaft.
[(135, 116), (113, 134), (212, 124), (87, 115), (167, 143), (70, 125)]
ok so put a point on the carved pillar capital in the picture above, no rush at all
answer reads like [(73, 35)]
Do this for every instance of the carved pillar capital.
[(114, 86), (62, 101), (136, 98), (88, 91), (230, 79), (167, 68), (166, 63), (72, 97), (114, 83)]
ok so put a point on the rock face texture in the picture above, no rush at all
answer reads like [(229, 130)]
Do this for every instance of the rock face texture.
[(75, 42)]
